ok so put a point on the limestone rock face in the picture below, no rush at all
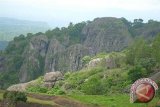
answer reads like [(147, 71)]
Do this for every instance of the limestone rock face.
[(51, 78), (47, 55), (70, 59), (54, 48), (106, 35), (34, 56)]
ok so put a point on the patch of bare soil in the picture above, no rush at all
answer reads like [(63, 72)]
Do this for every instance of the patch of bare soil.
[(60, 100), (68, 102)]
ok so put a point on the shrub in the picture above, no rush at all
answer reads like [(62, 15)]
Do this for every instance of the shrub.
[(93, 86), (86, 59), (56, 91), (14, 96), (136, 73), (37, 89)]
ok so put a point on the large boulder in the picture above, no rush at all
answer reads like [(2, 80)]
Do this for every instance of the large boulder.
[(112, 60), (51, 78), (22, 86), (94, 62)]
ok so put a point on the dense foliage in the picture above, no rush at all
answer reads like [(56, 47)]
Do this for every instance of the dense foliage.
[(73, 33), (41, 89), (144, 57), (13, 97)]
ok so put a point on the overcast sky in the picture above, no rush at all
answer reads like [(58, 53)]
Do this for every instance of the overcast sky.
[(61, 12)]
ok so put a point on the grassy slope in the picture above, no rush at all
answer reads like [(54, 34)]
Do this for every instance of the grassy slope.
[(121, 100)]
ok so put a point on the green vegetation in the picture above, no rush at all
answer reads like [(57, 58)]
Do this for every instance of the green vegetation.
[(15, 58), (72, 32), (111, 101), (96, 81), (37, 89), (14, 97), (41, 89), (144, 57), (100, 84), (86, 59)]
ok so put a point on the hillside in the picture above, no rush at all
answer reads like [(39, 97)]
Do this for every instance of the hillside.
[(62, 49), (104, 78), (9, 27)]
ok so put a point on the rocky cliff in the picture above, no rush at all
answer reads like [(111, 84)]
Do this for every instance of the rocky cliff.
[(63, 49), (106, 35)]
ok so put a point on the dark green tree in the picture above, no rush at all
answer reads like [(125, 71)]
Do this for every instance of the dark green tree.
[(156, 48)]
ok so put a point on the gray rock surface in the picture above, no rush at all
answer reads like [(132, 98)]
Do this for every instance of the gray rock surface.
[(51, 78), (106, 35), (54, 48), (34, 56), (22, 86), (70, 59)]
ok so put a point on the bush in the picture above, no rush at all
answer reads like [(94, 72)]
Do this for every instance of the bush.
[(14, 96), (93, 86), (56, 91), (37, 89), (86, 59), (136, 73)]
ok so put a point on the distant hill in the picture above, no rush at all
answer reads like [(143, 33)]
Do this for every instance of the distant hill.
[(9, 27)]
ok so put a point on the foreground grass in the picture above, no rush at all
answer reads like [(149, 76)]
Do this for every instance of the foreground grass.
[(121, 100), (111, 101)]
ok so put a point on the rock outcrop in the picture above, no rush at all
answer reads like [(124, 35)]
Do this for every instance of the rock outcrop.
[(22, 86), (34, 55), (51, 78), (106, 35), (55, 47), (112, 60), (70, 59)]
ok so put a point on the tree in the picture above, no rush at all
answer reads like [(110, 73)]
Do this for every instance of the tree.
[(137, 51), (138, 23), (156, 48), (93, 86), (136, 73)]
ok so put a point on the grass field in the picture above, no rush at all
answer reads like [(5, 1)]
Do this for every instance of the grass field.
[(112, 101)]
